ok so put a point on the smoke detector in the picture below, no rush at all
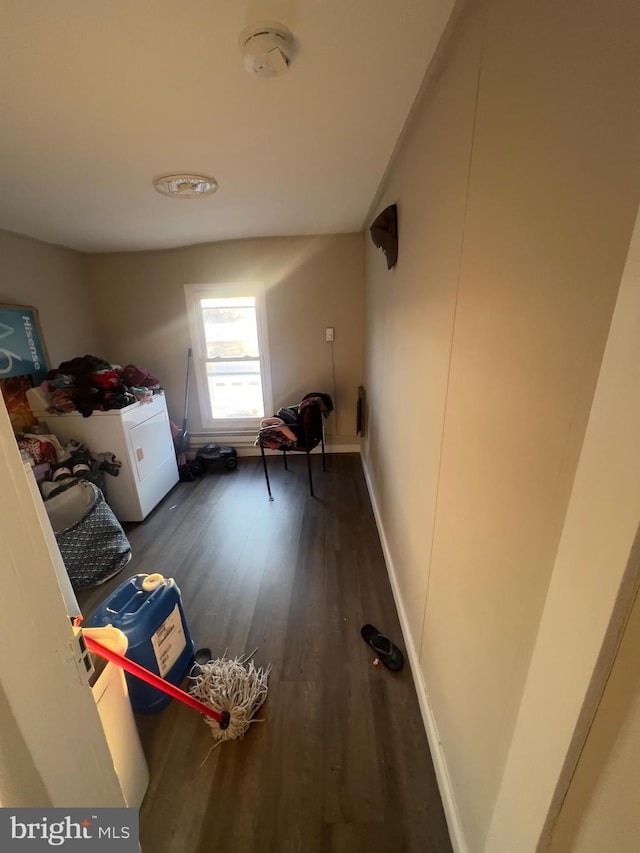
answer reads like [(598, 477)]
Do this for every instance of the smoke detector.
[(185, 185), (266, 50)]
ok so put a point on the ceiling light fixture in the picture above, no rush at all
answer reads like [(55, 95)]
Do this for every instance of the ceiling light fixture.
[(185, 186)]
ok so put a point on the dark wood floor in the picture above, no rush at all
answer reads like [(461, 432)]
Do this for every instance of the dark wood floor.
[(341, 762)]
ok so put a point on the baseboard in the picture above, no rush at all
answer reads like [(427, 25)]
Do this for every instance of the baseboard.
[(439, 761), (246, 447)]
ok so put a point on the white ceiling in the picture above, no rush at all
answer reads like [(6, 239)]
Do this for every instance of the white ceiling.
[(100, 96)]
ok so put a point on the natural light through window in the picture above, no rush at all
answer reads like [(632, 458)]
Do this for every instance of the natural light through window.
[(229, 350), (233, 357)]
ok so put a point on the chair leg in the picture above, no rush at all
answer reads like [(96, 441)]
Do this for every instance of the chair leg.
[(324, 464), (266, 473), (310, 477), (284, 456)]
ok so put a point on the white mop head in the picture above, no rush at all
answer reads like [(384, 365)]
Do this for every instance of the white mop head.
[(236, 686)]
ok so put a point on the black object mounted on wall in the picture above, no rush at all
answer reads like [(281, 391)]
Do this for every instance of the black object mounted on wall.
[(384, 233), (360, 406)]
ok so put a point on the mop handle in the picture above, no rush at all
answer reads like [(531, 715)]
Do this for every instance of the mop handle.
[(155, 681)]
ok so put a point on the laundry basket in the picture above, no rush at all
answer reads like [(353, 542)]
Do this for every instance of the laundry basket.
[(92, 543)]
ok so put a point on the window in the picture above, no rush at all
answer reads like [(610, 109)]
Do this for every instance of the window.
[(229, 342)]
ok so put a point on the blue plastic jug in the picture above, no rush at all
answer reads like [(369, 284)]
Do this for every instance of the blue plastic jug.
[(148, 610)]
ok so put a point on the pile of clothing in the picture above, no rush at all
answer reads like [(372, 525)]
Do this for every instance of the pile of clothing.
[(87, 384), (285, 431), (58, 467), (77, 462)]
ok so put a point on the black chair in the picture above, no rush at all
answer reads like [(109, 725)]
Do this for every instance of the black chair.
[(308, 430)]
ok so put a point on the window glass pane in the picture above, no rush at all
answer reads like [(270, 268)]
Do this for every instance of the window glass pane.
[(235, 389), (228, 301), (230, 327), (226, 325)]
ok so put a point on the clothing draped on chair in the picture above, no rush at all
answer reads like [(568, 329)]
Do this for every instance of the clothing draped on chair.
[(296, 428)]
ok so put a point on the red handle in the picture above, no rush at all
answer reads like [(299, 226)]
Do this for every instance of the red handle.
[(153, 679)]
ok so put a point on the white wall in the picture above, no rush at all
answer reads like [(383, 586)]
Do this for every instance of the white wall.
[(601, 809), (312, 282), (595, 575), (53, 280), (517, 184), (58, 754), (130, 307)]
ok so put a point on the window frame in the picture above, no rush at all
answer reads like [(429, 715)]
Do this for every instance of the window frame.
[(224, 290)]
